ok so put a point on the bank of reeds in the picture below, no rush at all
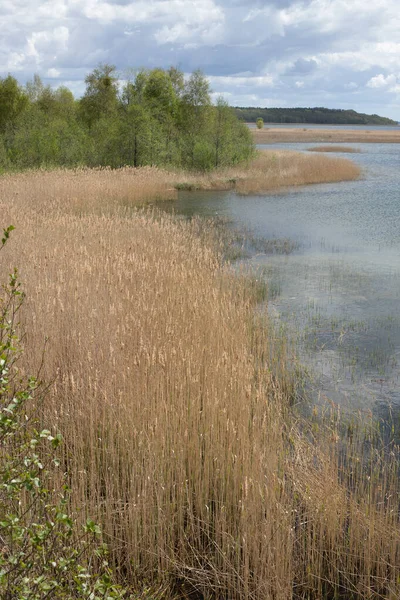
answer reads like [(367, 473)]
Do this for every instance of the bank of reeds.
[(273, 170), (179, 437), (279, 135), (335, 148)]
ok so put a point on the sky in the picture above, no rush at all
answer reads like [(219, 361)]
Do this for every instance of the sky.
[(332, 53)]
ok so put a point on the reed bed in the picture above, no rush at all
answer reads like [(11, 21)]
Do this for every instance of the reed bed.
[(273, 170), (277, 135), (335, 148), (174, 403)]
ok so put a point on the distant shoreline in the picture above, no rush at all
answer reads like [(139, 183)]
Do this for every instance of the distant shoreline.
[(327, 125), (306, 115), (333, 134)]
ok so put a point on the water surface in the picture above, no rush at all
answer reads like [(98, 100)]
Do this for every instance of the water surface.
[(337, 290)]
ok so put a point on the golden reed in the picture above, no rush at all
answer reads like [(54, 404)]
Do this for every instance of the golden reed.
[(179, 437)]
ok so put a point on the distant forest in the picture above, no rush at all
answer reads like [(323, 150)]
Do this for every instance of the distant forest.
[(317, 115)]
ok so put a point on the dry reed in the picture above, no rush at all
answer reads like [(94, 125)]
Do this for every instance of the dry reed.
[(335, 148), (272, 170), (277, 135), (178, 434)]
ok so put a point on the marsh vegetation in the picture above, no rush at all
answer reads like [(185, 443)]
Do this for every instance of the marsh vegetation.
[(277, 135), (335, 148), (174, 397), (269, 170)]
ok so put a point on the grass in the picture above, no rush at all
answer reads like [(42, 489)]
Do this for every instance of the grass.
[(337, 134), (335, 148), (270, 171), (174, 402)]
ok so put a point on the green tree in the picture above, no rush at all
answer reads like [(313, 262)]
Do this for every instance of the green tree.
[(195, 119), (177, 79), (158, 119), (65, 103), (197, 91), (104, 148), (133, 90), (13, 101), (159, 94), (46, 100), (223, 132), (260, 123), (34, 88), (101, 95), (4, 160), (46, 139), (135, 136)]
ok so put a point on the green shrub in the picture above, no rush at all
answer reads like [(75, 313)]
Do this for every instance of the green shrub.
[(203, 156), (4, 162)]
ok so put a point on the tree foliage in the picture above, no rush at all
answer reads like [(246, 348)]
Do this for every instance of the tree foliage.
[(152, 117), (100, 98), (13, 100)]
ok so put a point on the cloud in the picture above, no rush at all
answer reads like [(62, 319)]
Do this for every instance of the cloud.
[(53, 73), (41, 43), (302, 66), (380, 81), (282, 52), (351, 85), (157, 11)]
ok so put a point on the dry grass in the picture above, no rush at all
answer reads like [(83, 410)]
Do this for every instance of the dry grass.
[(335, 148), (178, 436), (278, 135), (273, 170)]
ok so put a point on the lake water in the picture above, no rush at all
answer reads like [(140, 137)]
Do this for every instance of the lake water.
[(337, 292), (325, 126)]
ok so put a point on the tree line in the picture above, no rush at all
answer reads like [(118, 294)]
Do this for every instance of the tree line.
[(152, 117), (319, 115)]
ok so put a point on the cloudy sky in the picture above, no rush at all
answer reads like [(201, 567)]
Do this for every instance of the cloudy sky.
[(334, 53)]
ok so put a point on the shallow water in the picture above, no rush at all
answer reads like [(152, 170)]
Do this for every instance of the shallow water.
[(337, 292)]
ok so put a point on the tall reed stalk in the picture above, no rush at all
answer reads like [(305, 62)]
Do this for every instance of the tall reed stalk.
[(179, 436)]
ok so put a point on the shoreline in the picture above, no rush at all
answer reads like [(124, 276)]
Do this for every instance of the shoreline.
[(271, 170), (278, 135)]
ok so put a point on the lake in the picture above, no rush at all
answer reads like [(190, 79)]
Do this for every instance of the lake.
[(325, 126), (337, 290)]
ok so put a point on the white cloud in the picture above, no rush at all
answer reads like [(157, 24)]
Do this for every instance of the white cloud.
[(246, 82), (190, 35), (265, 21), (15, 61), (156, 11), (380, 81), (42, 42), (275, 52), (53, 73)]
